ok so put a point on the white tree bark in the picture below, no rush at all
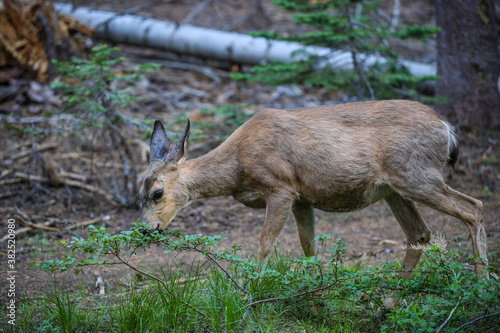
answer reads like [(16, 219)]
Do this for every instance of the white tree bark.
[(210, 43)]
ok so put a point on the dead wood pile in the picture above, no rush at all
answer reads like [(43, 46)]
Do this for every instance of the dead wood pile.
[(32, 33)]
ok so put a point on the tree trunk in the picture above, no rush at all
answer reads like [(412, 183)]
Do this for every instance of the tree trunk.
[(468, 62)]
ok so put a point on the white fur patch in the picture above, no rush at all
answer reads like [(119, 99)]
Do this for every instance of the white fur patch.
[(452, 140)]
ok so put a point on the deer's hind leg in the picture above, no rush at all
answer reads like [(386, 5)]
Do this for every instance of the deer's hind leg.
[(466, 209), (414, 227), (406, 213)]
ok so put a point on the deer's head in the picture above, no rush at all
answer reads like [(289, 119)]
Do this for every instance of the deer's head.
[(164, 192)]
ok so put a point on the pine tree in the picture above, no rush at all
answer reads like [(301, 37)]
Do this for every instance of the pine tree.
[(347, 25)]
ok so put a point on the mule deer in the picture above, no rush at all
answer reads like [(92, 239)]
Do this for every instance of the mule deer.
[(336, 158)]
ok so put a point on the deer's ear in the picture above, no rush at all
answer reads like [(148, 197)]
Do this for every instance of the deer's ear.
[(180, 151), (158, 144)]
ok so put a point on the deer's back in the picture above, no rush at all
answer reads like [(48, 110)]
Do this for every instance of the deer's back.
[(341, 152)]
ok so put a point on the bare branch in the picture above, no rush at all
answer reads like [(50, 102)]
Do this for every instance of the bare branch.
[(88, 222), (312, 291), (197, 10), (40, 148), (443, 325), (123, 158), (228, 275), (395, 14), (18, 232), (24, 220), (213, 74), (357, 66), (91, 189), (259, 11), (21, 176), (477, 319)]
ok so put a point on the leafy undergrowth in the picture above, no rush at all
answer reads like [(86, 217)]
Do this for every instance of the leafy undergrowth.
[(229, 293)]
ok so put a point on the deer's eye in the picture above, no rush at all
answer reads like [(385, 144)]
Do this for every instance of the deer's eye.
[(157, 195)]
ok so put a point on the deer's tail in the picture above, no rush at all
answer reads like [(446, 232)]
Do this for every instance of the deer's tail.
[(452, 155)]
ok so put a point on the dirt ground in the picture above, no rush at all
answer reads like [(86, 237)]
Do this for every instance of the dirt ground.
[(372, 234)]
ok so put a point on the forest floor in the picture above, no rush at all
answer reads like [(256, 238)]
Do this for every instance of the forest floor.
[(372, 234)]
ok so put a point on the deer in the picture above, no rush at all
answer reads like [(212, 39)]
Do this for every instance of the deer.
[(335, 158)]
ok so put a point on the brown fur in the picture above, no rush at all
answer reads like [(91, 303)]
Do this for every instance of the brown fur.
[(336, 158)]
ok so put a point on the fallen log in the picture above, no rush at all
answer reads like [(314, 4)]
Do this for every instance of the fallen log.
[(210, 43)]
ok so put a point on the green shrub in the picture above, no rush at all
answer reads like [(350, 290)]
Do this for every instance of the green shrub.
[(443, 294)]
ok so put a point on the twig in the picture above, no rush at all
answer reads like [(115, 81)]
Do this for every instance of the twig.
[(10, 181), (477, 319), (226, 272), (18, 232), (208, 72), (198, 9), (443, 325), (357, 66), (257, 12), (395, 15), (89, 222), (27, 177), (34, 225), (123, 158), (45, 226), (75, 176), (91, 189), (8, 194), (130, 120), (40, 148), (384, 15), (274, 299), (32, 120), (248, 308), (5, 173)]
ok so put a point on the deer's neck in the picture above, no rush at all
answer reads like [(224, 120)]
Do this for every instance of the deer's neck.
[(211, 175)]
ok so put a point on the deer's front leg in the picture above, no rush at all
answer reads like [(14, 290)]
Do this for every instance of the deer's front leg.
[(277, 209)]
